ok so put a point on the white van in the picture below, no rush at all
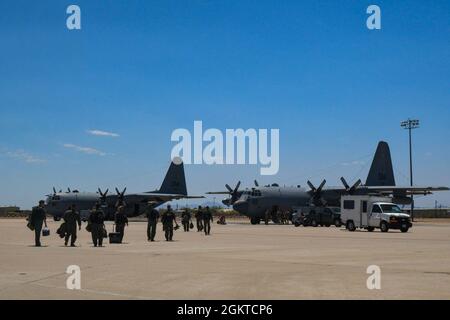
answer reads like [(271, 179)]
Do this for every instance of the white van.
[(370, 212)]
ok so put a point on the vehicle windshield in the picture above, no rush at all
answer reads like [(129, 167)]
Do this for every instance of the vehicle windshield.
[(392, 208)]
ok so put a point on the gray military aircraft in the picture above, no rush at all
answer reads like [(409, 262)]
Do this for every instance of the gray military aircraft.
[(172, 188), (258, 201)]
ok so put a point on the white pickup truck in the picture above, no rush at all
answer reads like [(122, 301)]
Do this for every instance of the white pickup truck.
[(370, 212)]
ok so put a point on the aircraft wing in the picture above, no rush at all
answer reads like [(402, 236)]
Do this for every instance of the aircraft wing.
[(406, 190), (389, 190), (158, 197), (218, 192), (193, 197)]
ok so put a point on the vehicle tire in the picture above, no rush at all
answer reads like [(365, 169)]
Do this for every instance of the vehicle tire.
[(384, 226), (327, 225), (351, 226), (337, 223), (56, 218), (314, 223), (405, 229), (297, 224), (370, 229)]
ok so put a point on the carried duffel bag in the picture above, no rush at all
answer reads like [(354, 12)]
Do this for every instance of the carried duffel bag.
[(61, 230), (104, 233), (30, 226), (45, 232)]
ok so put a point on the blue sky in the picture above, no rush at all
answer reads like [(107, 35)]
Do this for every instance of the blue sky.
[(144, 68)]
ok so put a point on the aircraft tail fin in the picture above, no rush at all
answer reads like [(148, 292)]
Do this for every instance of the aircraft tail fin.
[(174, 181), (381, 172)]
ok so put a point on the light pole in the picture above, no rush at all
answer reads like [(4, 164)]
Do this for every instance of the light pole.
[(410, 125)]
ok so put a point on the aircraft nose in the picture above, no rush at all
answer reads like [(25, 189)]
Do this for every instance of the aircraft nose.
[(240, 206)]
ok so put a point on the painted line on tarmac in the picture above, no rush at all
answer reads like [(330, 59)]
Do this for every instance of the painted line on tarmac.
[(107, 293)]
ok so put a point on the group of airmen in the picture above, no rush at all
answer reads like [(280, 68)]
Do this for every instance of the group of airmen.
[(275, 214), (203, 219), (169, 222), (96, 222)]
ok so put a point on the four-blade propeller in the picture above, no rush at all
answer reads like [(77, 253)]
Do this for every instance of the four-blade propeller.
[(103, 195), (350, 190), (317, 198), (234, 194), (120, 196)]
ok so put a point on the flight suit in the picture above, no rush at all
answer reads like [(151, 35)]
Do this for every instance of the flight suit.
[(121, 220), (198, 220), (207, 218), (37, 219), (185, 219), (168, 218), (71, 218), (266, 217), (97, 222), (152, 220)]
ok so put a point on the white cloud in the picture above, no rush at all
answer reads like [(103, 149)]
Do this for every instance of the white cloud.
[(102, 133), (86, 150), (23, 156)]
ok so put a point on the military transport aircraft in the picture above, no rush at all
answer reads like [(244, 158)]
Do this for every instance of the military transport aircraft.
[(255, 202), (172, 188)]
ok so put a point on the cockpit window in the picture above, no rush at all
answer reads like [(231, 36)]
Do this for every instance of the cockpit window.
[(256, 193)]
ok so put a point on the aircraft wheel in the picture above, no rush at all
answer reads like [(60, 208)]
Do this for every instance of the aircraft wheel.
[(351, 226), (314, 223), (254, 221), (56, 218), (370, 229), (384, 226)]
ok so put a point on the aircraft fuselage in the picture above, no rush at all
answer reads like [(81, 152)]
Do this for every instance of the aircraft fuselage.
[(58, 203)]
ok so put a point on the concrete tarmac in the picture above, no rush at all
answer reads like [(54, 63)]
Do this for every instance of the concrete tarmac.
[(237, 261)]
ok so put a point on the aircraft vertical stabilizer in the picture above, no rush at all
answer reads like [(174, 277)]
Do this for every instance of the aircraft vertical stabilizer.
[(174, 182), (381, 172)]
